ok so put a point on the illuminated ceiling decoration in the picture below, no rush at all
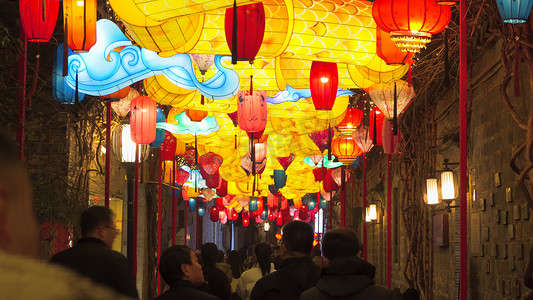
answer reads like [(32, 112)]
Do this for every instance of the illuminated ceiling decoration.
[(186, 126), (100, 75)]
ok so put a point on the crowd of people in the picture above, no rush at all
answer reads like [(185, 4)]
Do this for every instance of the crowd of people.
[(92, 270)]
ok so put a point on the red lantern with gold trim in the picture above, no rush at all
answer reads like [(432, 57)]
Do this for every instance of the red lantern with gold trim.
[(38, 18), (245, 36), (351, 120), (345, 149), (323, 82), (143, 120), (387, 50), (81, 24)]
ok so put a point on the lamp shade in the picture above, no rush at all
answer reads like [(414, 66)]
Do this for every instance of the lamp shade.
[(351, 120), (514, 11), (449, 187), (38, 18), (345, 149), (252, 111), (323, 82), (373, 212), (252, 205), (250, 30), (280, 178), (213, 214), (432, 191), (124, 147), (260, 151), (411, 22), (203, 61), (143, 120), (383, 96), (81, 23), (363, 139), (387, 50)]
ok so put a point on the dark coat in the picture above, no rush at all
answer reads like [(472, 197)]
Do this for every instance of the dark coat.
[(184, 289), (294, 276), (92, 258), (348, 279), (218, 283)]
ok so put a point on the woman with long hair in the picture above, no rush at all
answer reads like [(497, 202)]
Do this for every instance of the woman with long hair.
[(261, 268), (217, 282), (234, 262)]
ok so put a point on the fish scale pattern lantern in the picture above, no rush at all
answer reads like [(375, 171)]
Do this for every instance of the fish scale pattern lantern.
[(411, 23), (252, 111), (38, 18), (323, 82)]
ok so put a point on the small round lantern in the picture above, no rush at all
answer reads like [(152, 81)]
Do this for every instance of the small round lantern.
[(345, 149)]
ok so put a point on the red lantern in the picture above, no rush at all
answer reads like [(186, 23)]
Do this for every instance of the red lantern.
[(212, 181), (245, 218), (411, 22), (351, 120), (252, 111), (210, 162), (259, 209), (319, 173), (249, 30), (278, 235), (284, 203), (222, 189), (271, 216), (168, 147), (279, 219), (143, 120), (376, 121), (196, 115), (390, 141), (181, 176), (213, 214), (388, 51), (81, 24), (38, 18), (329, 183), (272, 200), (285, 162), (304, 212), (345, 149), (323, 82)]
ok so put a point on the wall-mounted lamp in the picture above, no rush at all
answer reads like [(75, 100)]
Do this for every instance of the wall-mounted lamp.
[(371, 213), (445, 189), (267, 226)]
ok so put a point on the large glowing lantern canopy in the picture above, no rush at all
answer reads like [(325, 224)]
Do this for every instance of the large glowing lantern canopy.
[(38, 18), (351, 120), (323, 82), (143, 120), (245, 31), (411, 23)]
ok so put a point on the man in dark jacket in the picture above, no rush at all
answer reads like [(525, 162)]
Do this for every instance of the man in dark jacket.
[(297, 272), (346, 275), (92, 256), (180, 269)]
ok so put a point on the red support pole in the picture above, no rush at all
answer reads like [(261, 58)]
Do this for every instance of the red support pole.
[(21, 110), (463, 139), (135, 209), (389, 225), (159, 188), (107, 153), (342, 197), (185, 223), (330, 219), (174, 203), (364, 208)]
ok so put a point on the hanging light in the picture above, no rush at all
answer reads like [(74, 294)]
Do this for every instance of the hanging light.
[(124, 147), (514, 11), (324, 82), (267, 226), (143, 120), (371, 213), (448, 179), (80, 24), (387, 50), (432, 191), (345, 149), (351, 120), (38, 18), (244, 30), (411, 23)]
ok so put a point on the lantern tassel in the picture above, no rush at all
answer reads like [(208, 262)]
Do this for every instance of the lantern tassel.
[(253, 155), (395, 117), (65, 49), (76, 97), (195, 149), (235, 141), (329, 142), (202, 100), (234, 35), (253, 187), (446, 61), (410, 76), (374, 134), (517, 69)]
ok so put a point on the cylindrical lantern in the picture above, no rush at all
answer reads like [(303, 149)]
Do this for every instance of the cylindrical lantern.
[(411, 22), (222, 189), (345, 149), (280, 177), (201, 208), (260, 149), (213, 214), (81, 23), (252, 111), (304, 212), (168, 147), (264, 215), (160, 133), (376, 123), (245, 218), (514, 11), (143, 120), (252, 205), (38, 18), (351, 120), (432, 191), (192, 204), (62, 92), (449, 187), (196, 115), (249, 30), (323, 82)]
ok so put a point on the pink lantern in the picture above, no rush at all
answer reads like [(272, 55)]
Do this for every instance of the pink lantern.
[(168, 147), (260, 150), (316, 158), (181, 176), (122, 107), (246, 164), (391, 142), (285, 162), (208, 194), (243, 200), (336, 174), (363, 139), (383, 95), (222, 190), (252, 111), (143, 120), (223, 217), (210, 162)]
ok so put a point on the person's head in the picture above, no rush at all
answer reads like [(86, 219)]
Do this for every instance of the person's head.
[(209, 253), (340, 243), (99, 222), (220, 256), (180, 263), (19, 233), (263, 251), (235, 263), (297, 238)]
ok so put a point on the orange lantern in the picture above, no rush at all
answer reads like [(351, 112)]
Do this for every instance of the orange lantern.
[(323, 82), (388, 51), (123, 93), (411, 22), (345, 149), (252, 111), (143, 120), (38, 18), (80, 24), (351, 120), (196, 115)]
